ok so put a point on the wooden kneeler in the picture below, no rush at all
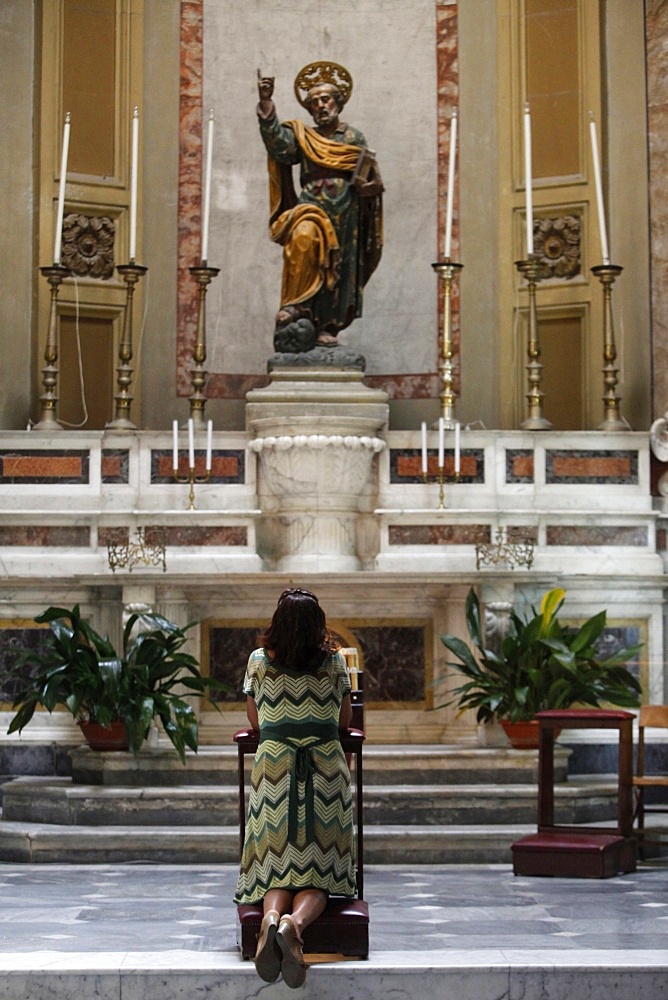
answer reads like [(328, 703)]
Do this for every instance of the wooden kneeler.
[(343, 928)]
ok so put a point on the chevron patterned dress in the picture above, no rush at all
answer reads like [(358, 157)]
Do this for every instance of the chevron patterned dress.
[(299, 830)]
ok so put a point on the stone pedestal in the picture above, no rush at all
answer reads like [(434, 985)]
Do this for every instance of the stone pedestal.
[(316, 434)]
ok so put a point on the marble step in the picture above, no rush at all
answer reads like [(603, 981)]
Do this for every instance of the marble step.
[(60, 801), (383, 765), (49, 843)]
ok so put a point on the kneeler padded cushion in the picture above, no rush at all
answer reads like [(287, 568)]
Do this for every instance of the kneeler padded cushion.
[(342, 929), (568, 854)]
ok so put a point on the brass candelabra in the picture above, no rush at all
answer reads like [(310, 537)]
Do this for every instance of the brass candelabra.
[(612, 420), (441, 477), (446, 270), (192, 478), (131, 274), (535, 421), (203, 275), (55, 274)]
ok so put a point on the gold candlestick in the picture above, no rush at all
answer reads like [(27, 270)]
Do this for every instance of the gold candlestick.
[(446, 270), (442, 479), (131, 273), (535, 421), (191, 480), (55, 275), (204, 275), (612, 421)]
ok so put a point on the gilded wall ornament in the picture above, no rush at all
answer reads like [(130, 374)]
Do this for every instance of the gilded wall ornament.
[(557, 245), (88, 245)]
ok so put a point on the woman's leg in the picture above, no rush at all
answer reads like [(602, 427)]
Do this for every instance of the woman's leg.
[(279, 900), (268, 955), (307, 906)]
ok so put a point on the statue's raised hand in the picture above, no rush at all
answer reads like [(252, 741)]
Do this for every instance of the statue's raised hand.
[(265, 86)]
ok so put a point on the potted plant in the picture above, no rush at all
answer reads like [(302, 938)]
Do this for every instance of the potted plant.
[(540, 664), (80, 670)]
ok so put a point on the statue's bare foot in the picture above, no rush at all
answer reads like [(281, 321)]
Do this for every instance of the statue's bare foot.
[(288, 314), (326, 338)]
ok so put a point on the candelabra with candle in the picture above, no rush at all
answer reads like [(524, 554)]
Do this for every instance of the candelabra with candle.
[(131, 274), (203, 275), (441, 476), (535, 421), (446, 270), (612, 421), (192, 478)]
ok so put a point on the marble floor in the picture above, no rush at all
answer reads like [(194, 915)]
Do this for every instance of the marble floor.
[(162, 932)]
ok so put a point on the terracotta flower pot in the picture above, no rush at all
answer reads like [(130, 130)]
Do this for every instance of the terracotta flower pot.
[(521, 735), (100, 737), (524, 735)]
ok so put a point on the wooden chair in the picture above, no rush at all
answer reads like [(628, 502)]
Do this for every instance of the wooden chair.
[(343, 929), (650, 717)]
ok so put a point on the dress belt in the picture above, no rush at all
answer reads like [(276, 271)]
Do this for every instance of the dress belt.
[(303, 769)]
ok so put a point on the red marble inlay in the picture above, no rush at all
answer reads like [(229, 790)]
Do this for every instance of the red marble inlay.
[(31, 466), (112, 466), (523, 466), (190, 186), (45, 536), (113, 536), (601, 466), (222, 466), (438, 534), (198, 535), (582, 534), (411, 465)]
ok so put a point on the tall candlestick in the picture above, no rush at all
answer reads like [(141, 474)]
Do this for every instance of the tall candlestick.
[(599, 190), (424, 448), (133, 184), (457, 449), (527, 178), (61, 191), (209, 443), (191, 443), (451, 184), (207, 190), (441, 442), (175, 459)]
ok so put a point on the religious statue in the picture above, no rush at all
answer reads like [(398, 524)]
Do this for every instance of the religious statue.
[(331, 233)]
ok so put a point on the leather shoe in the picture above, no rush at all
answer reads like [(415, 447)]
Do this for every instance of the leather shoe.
[(268, 955), (292, 963)]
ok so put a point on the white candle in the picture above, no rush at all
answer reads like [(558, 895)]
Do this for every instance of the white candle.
[(61, 191), (457, 449), (207, 190), (133, 184), (209, 443), (424, 448), (605, 255), (441, 443), (527, 178), (175, 460), (451, 184), (191, 443)]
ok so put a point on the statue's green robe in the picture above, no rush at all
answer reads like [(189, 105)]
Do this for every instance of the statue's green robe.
[(331, 237)]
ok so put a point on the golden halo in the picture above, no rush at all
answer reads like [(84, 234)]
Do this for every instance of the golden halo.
[(323, 71)]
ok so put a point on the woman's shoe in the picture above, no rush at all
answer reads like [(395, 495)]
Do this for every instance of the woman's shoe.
[(268, 955), (292, 964)]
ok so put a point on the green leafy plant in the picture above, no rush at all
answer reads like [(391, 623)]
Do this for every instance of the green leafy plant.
[(81, 670), (541, 664)]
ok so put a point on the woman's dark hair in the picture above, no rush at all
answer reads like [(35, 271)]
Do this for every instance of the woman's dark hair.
[(298, 635)]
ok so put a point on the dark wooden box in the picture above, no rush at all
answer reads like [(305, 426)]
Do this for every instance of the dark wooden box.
[(343, 929), (573, 855)]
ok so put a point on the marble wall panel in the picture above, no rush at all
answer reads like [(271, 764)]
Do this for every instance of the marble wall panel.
[(406, 465), (519, 465), (587, 535), (589, 466), (115, 465), (439, 534), (197, 535), (66, 467), (15, 638), (227, 465), (45, 536)]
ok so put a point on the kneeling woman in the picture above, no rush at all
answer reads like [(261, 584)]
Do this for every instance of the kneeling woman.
[(298, 848)]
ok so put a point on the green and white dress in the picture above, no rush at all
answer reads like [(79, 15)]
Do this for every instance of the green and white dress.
[(299, 829)]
